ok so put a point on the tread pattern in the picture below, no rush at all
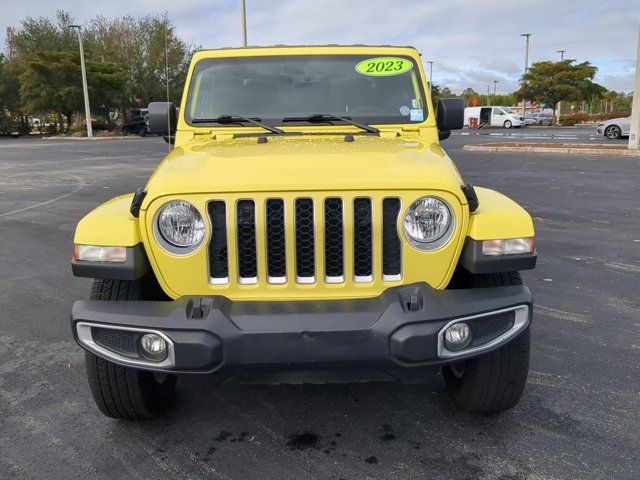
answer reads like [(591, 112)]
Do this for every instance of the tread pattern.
[(495, 381), (123, 392)]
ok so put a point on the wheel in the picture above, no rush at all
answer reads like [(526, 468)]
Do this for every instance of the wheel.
[(495, 381), (124, 392), (508, 124), (613, 132), (142, 131)]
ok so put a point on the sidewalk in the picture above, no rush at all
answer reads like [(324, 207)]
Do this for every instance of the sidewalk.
[(565, 148)]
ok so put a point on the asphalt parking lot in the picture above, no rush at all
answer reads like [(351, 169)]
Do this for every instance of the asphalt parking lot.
[(578, 417)]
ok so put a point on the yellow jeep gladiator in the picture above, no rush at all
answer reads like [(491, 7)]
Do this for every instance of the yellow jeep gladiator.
[(306, 225)]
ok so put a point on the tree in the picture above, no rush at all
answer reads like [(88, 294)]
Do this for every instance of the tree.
[(469, 94), (137, 45), (52, 81), (43, 34), (553, 82), (10, 111)]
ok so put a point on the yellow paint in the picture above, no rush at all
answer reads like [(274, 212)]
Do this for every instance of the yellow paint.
[(188, 275), (109, 224), (216, 163), (499, 217)]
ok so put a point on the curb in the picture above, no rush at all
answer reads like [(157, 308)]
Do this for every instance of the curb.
[(93, 139), (562, 150)]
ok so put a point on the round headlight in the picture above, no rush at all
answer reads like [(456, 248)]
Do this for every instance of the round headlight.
[(180, 224), (428, 223)]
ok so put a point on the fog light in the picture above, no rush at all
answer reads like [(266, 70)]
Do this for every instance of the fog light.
[(153, 346), (457, 336)]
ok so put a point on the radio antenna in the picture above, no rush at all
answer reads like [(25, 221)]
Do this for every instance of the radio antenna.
[(166, 63)]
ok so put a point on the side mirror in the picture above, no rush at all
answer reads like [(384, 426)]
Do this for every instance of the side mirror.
[(449, 116), (162, 118)]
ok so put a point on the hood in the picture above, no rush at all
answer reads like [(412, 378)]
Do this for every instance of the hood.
[(304, 163)]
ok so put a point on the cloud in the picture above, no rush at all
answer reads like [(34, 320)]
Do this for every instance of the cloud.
[(471, 43)]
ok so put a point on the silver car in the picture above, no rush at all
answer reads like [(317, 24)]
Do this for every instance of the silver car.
[(615, 128), (537, 119)]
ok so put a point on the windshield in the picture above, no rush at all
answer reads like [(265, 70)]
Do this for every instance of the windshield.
[(364, 88), (507, 110)]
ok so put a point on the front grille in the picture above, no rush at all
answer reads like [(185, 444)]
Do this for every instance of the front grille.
[(329, 240), (124, 342)]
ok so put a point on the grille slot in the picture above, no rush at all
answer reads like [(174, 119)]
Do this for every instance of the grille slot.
[(362, 240), (391, 246), (246, 235), (333, 240), (218, 251), (275, 235), (305, 241), (123, 342)]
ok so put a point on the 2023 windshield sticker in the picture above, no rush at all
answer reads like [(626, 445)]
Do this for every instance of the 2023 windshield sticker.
[(384, 66)]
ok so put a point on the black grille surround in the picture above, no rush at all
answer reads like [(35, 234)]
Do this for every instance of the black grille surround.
[(362, 240), (305, 241), (246, 239), (275, 238), (333, 240), (218, 251), (391, 245)]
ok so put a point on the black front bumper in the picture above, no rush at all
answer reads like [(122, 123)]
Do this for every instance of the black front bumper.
[(397, 333)]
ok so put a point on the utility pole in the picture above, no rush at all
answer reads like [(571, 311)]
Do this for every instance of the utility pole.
[(526, 67), (634, 134), (430, 77), (244, 23), (87, 110), (559, 106), (495, 85), (488, 94)]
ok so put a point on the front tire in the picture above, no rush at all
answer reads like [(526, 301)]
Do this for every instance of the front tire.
[(125, 392), (613, 132), (495, 381), (508, 124)]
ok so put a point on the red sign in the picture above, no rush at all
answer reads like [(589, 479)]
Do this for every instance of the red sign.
[(474, 102)]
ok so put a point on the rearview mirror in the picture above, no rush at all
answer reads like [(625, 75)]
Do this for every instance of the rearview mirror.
[(449, 116), (162, 118)]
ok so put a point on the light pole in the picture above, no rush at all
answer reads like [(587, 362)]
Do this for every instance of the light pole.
[(430, 77), (87, 110), (634, 134), (495, 86), (559, 106), (526, 67), (244, 23)]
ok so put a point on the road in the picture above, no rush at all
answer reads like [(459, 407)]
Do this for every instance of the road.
[(578, 417)]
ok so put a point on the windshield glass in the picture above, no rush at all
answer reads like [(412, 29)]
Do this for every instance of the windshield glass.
[(368, 89), (507, 110)]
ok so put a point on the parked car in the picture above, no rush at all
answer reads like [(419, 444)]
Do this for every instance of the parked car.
[(539, 118), (137, 125), (493, 116), (615, 128), (276, 238)]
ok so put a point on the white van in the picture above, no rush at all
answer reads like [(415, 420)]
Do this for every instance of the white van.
[(493, 116)]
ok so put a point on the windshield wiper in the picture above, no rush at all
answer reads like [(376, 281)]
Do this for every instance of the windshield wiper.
[(328, 118), (226, 119)]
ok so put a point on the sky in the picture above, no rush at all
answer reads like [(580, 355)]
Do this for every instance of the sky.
[(471, 42)]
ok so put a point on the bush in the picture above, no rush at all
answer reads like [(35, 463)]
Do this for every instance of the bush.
[(573, 119)]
